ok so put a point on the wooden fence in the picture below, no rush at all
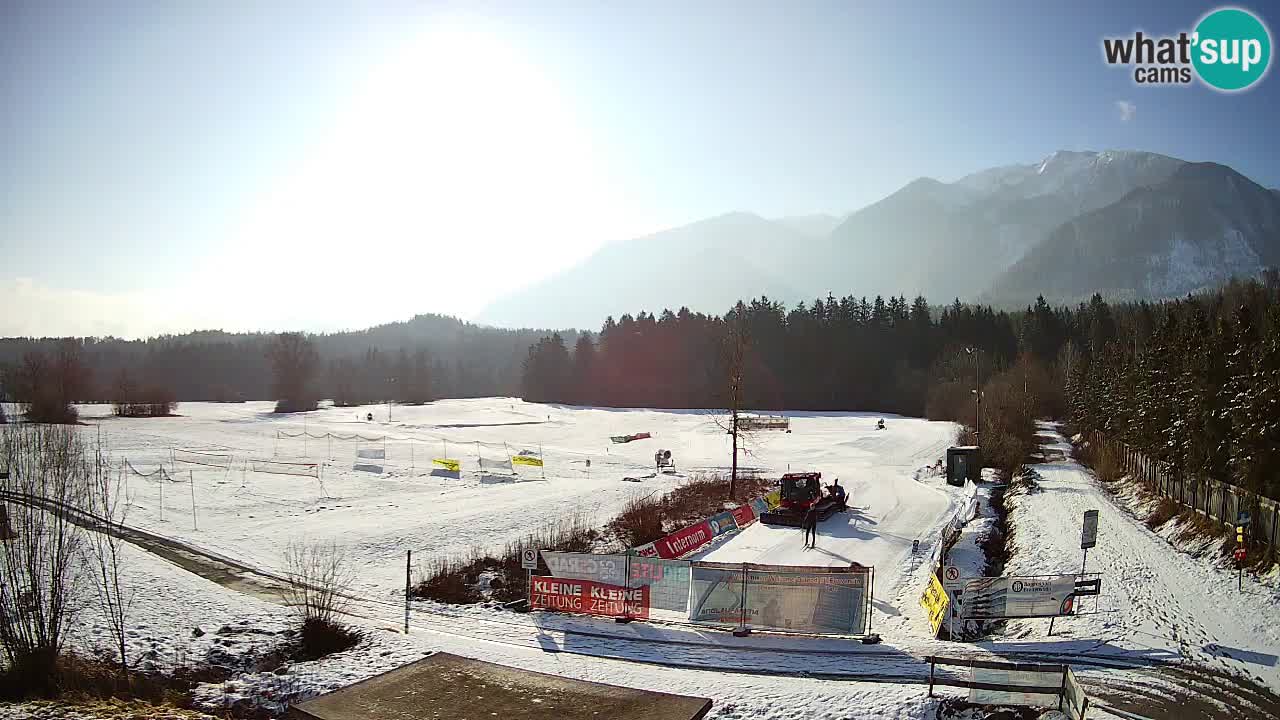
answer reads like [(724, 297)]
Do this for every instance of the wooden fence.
[(1214, 499)]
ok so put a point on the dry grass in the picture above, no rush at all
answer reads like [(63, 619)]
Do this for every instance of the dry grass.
[(113, 709), (455, 579), (647, 518), (1164, 511)]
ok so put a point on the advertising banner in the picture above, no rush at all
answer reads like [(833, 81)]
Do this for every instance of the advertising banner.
[(611, 569), (935, 602), (744, 515), (1018, 597), (684, 541), (773, 498), (647, 550), (588, 598), (530, 460), (668, 584), (722, 523), (812, 600), (448, 464), (817, 600), (760, 506), (716, 594)]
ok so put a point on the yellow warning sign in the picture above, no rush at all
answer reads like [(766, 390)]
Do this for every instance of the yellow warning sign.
[(935, 601)]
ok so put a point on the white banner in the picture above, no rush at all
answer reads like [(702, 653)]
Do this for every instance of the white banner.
[(1014, 597)]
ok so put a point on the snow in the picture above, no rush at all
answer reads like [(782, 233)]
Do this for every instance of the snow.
[(253, 516), (1155, 601), (1146, 610), (888, 507)]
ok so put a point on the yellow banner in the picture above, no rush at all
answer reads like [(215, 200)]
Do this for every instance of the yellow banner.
[(935, 601), (774, 498), (526, 460), (447, 464)]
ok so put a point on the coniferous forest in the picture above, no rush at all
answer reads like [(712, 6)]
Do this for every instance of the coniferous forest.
[(1193, 382)]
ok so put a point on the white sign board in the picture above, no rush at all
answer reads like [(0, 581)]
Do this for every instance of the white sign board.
[(529, 559), (1013, 597), (1089, 535)]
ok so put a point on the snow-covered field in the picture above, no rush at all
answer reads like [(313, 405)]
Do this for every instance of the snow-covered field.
[(1157, 604), (379, 508)]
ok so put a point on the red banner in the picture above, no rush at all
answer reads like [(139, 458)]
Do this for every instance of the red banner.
[(684, 541), (589, 598), (744, 515), (647, 550)]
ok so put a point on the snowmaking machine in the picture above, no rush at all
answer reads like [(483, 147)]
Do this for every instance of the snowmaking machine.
[(798, 492)]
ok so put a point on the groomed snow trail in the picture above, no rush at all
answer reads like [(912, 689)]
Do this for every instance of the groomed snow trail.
[(1155, 601)]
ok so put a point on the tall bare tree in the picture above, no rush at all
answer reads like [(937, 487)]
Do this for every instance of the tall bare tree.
[(737, 342), (105, 556)]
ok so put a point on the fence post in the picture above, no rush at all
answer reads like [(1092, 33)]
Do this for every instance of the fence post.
[(1062, 691), (626, 588), (192, 474), (408, 561), (931, 664), (742, 630)]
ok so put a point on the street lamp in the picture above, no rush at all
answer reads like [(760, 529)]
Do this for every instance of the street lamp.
[(977, 394)]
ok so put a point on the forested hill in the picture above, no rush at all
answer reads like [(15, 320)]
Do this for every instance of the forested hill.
[(459, 358)]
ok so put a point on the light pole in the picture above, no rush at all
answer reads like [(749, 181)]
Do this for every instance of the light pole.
[(390, 394), (977, 394)]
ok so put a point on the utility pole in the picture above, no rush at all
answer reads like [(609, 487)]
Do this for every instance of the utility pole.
[(390, 392)]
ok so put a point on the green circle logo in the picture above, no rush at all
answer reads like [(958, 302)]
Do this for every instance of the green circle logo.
[(1232, 49)]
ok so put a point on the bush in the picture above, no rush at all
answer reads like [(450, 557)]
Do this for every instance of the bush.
[(644, 518), (1164, 511), (455, 580), (318, 638), (318, 577)]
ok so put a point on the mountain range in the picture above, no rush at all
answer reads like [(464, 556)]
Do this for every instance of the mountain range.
[(1128, 224)]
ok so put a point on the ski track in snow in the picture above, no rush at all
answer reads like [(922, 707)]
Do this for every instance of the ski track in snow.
[(1154, 599)]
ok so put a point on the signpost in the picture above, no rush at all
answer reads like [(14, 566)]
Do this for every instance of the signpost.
[(529, 562), (953, 584), (1240, 553), (1088, 536)]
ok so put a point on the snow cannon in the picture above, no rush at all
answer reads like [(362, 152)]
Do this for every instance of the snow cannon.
[(664, 462), (799, 492)]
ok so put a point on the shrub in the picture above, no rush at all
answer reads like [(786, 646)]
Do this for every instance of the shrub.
[(317, 577), (456, 579), (1164, 511)]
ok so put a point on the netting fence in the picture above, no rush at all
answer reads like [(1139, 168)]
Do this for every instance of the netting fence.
[(777, 598)]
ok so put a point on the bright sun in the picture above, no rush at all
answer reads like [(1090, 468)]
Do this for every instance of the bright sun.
[(458, 168)]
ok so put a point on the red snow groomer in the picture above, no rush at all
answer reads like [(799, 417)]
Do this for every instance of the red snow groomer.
[(799, 491)]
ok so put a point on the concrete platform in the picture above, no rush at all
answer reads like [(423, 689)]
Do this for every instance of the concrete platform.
[(447, 686)]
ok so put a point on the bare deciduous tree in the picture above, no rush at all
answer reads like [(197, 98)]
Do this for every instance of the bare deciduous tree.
[(105, 557), (318, 577), (41, 573), (737, 341)]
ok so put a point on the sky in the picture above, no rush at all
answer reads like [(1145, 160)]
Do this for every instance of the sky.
[(315, 165)]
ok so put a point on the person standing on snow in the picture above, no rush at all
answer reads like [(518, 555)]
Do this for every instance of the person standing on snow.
[(810, 525)]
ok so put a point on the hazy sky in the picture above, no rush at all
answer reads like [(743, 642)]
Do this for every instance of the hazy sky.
[(258, 165)]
